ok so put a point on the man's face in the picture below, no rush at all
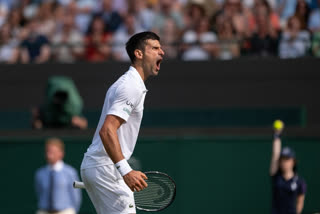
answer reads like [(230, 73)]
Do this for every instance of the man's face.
[(53, 154), (152, 57)]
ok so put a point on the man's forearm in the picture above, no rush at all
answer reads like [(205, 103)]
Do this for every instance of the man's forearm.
[(111, 144)]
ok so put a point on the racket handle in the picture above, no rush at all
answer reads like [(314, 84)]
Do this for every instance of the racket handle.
[(78, 185)]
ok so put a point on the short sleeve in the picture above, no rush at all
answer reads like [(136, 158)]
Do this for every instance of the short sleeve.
[(302, 187), (124, 102)]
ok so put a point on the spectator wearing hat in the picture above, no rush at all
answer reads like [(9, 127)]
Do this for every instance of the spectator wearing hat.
[(288, 188)]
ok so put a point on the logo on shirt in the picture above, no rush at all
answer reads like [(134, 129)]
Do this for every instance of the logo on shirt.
[(127, 111), (130, 206), (293, 186), (129, 104)]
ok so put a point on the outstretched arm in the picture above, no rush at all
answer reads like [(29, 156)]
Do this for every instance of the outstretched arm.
[(276, 150), (109, 136)]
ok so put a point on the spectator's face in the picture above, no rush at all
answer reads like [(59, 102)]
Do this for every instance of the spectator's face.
[(302, 7), (294, 24), (33, 26), (130, 23), (203, 26), (53, 153), (196, 12), (152, 57), (107, 5), (166, 5), (98, 25), (68, 21), (286, 164)]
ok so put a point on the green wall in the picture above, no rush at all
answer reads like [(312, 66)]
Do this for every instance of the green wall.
[(213, 174)]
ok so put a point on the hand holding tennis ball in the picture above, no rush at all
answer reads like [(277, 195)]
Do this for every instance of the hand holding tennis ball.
[(278, 125)]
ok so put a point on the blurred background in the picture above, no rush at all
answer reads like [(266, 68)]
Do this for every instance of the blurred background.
[(231, 68)]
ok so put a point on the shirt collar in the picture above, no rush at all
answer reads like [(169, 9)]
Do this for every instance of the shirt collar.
[(135, 73), (57, 166)]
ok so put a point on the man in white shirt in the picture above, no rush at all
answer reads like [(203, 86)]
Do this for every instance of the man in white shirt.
[(108, 177)]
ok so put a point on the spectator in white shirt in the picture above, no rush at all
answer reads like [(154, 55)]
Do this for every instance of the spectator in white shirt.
[(294, 41)]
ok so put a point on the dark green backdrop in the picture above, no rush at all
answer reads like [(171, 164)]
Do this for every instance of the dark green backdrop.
[(213, 174)]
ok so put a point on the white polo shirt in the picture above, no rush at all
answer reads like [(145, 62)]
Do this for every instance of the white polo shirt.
[(125, 99)]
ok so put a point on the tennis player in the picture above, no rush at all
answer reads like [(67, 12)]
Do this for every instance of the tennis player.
[(108, 177), (288, 188)]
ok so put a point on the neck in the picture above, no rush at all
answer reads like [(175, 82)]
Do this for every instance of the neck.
[(140, 70), (288, 175)]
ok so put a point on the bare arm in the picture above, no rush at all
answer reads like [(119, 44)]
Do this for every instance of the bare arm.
[(25, 58), (300, 203), (276, 149), (109, 136), (44, 56)]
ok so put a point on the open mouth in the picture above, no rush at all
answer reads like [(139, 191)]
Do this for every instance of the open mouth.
[(158, 64)]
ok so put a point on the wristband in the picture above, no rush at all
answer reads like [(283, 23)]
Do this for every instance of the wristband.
[(123, 167), (276, 135)]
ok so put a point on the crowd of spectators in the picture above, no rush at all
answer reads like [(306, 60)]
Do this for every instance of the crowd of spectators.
[(38, 31)]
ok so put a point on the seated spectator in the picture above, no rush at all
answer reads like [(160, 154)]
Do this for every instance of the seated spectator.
[(111, 17), (315, 46), (82, 11), (35, 48), (294, 41), (122, 35), (263, 7), (58, 15), (8, 45), (68, 44), (144, 16), (237, 15), (198, 43), (166, 12), (169, 40), (303, 13), (264, 42), (228, 46), (62, 108), (47, 25), (97, 41), (195, 13), (314, 20), (16, 21)]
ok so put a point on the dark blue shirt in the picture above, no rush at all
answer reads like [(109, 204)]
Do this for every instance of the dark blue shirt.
[(285, 193), (33, 45)]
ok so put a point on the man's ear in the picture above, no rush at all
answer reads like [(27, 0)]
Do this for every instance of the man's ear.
[(138, 53)]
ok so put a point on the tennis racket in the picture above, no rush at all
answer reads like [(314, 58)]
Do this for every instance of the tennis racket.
[(159, 194)]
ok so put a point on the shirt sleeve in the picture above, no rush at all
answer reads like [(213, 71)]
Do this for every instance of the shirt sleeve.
[(302, 187), (124, 102)]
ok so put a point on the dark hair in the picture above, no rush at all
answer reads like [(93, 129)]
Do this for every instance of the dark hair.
[(138, 41)]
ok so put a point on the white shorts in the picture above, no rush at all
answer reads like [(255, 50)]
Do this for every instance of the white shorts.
[(107, 190)]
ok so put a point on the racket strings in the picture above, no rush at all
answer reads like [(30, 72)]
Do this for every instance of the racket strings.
[(158, 194)]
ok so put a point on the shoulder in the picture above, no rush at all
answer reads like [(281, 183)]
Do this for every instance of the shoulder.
[(127, 86), (69, 167), (300, 180), (41, 171), (70, 170)]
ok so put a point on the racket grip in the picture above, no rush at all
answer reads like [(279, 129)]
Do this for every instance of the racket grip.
[(78, 185)]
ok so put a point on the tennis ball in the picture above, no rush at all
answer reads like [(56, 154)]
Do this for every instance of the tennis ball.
[(278, 125)]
